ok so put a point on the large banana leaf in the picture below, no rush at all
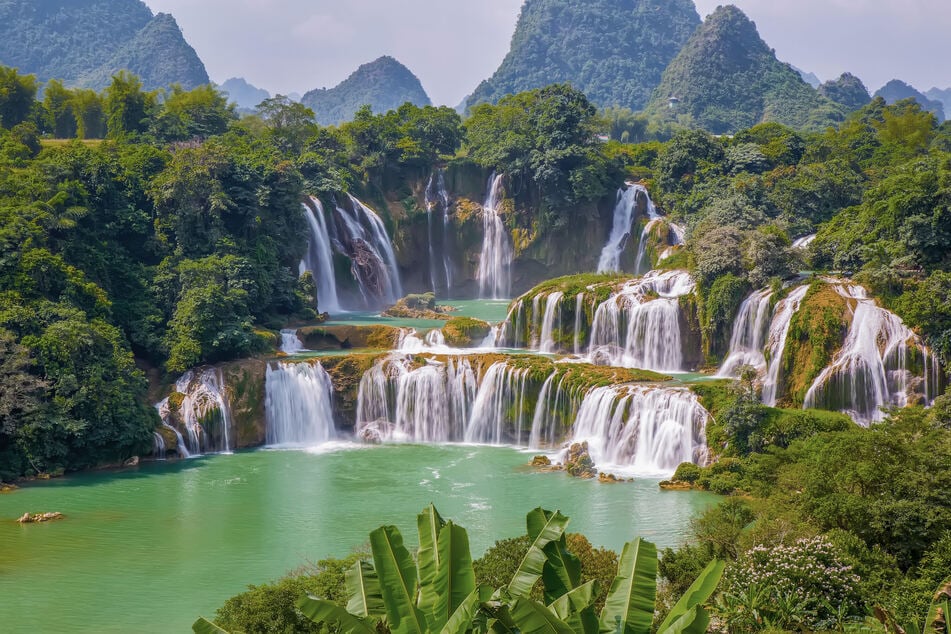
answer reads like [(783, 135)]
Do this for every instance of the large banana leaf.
[(576, 608), (463, 618), (938, 620), (693, 621), (321, 611), (204, 626), (397, 573), (532, 617), (696, 595), (543, 528), (629, 608), (429, 523), (363, 586), (455, 579)]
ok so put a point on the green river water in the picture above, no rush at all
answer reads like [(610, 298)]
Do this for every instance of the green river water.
[(152, 548)]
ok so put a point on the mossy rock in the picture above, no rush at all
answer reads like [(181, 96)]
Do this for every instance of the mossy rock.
[(349, 337), (465, 332), (346, 372), (816, 334), (420, 306), (246, 391)]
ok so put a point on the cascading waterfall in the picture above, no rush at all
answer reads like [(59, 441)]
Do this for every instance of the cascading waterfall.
[(555, 412), (625, 211), (804, 242), (579, 316), (640, 429), (495, 262), (502, 391), (319, 258), (164, 411), (291, 343), (552, 315), (776, 345), (299, 405), (640, 325), (872, 369), (204, 411), (371, 251), (642, 247), (158, 446), (437, 198), (749, 335)]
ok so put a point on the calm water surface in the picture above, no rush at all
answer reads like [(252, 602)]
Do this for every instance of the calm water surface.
[(151, 549)]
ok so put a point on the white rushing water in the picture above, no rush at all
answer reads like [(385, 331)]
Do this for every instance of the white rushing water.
[(873, 368), (204, 412), (776, 344), (550, 319), (495, 262), (369, 243), (642, 429), (803, 242), (319, 257), (437, 199), (625, 212), (640, 326), (639, 265), (291, 343), (299, 405), (750, 330)]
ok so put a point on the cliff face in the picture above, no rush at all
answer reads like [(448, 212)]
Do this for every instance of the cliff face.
[(83, 42), (612, 50)]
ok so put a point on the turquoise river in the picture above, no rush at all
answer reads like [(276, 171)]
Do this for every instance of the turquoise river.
[(150, 549)]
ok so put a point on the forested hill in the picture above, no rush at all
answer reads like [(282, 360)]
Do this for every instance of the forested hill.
[(612, 50), (726, 78), (84, 42), (383, 84), (896, 90)]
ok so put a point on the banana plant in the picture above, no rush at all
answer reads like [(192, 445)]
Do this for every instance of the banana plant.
[(937, 621), (437, 593)]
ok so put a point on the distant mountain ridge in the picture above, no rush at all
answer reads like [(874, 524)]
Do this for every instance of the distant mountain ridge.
[(84, 42), (613, 50), (384, 84), (896, 90), (848, 90), (244, 94), (726, 78)]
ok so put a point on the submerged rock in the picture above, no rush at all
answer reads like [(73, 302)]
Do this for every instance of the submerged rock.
[(38, 518), (675, 485), (419, 307), (7, 488), (610, 478)]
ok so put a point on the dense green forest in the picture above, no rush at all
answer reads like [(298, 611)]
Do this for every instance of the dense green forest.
[(86, 41), (383, 84), (612, 50)]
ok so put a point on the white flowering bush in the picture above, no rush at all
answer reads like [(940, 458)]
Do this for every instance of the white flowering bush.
[(804, 585)]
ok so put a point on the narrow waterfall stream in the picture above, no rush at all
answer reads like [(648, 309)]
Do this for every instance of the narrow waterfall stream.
[(204, 411), (749, 335), (495, 262), (371, 252), (319, 257), (625, 212), (776, 344), (437, 199)]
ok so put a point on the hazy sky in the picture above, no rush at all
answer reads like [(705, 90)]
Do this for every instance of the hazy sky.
[(451, 45)]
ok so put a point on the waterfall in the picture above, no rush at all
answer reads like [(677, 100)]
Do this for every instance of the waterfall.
[(872, 368), (776, 346), (642, 247), (554, 413), (204, 411), (291, 343), (579, 315), (158, 446), (625, 212), (319, 258), (501, 393), (410, 342), (640, 325), (552, 314), (495, 263), (803, 242), (298, 405), (164, 410), (645, 430), (436, 197), (371, 253), (749, 335), (430, 403)]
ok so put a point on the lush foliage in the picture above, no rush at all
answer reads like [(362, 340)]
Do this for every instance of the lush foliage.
[(85, 43), (383, 84), (613, 51)]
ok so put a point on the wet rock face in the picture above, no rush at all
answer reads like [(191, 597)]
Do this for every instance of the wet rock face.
[(578, 462)]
